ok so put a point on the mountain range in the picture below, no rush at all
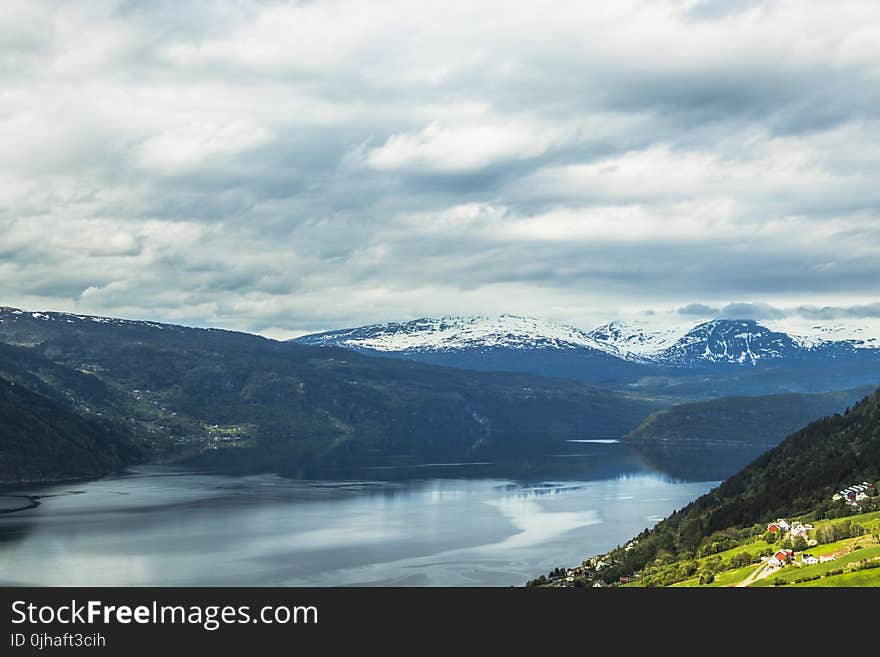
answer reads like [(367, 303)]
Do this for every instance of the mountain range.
[(706, 359)]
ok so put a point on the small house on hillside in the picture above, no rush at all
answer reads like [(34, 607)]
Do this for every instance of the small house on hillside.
[(779, 526), (808, 559), (780, 557), (799, 529)]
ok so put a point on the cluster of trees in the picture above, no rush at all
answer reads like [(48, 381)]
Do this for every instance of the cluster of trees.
[(838, 531), (718, 542), (554, 574), (798, 544)]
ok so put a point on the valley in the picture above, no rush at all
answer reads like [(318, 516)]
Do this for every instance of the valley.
[(327, 405)]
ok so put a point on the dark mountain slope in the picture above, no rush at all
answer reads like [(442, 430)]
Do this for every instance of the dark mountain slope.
[(716, 438), (804, 470), (44, 440)]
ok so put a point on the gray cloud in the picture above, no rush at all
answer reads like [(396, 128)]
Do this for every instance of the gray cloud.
[(291, 166), (751, 311), (698, 310), (829, 312), (765, 311)]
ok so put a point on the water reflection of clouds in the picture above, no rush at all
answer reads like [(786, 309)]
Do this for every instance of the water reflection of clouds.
[(534, 524), (204, 530)]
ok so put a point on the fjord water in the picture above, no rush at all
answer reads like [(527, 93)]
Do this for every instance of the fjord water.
[(166, 527)]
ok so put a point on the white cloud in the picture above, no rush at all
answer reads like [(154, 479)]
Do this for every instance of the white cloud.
[(462, 148), (192, 145)]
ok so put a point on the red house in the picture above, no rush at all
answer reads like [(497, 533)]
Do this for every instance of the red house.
[(782, 555), (772, 528)]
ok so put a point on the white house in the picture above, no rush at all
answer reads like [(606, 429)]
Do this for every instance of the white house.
[(797, 529), (808, 559)]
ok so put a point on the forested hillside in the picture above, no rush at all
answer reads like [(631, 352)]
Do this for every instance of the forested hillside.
[(43, 440)]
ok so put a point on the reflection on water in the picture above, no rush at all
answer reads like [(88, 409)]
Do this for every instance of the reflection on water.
[(166, 527), (596, 441)]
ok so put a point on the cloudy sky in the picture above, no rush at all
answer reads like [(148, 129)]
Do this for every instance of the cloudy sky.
[(285, 167)]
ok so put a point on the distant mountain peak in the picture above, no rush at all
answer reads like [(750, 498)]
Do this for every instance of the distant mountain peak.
[(719, 341), (740, 341)]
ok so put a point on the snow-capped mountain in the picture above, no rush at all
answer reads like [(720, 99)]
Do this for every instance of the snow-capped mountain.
[(727, 341), (731, 353), (636, 340), (748, 342), (810, 335), (461, 333), (720, 341), (504, 343)]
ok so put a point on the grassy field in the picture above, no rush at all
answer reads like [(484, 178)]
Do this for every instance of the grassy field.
[(733, 577), (859, 578), (791, 573), (831, 548), (752, 548), (861, 518), (867, 520)]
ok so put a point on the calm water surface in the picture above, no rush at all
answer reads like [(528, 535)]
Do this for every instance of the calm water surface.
[(166, 527)]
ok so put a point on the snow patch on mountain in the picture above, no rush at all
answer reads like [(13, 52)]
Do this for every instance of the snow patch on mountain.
[(811, 335), (7, 313), (637, 339), (459, 333)]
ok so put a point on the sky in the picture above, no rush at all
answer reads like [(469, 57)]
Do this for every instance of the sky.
[(288, 167)]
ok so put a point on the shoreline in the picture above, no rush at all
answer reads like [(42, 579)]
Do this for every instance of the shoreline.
[(33, 501)]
